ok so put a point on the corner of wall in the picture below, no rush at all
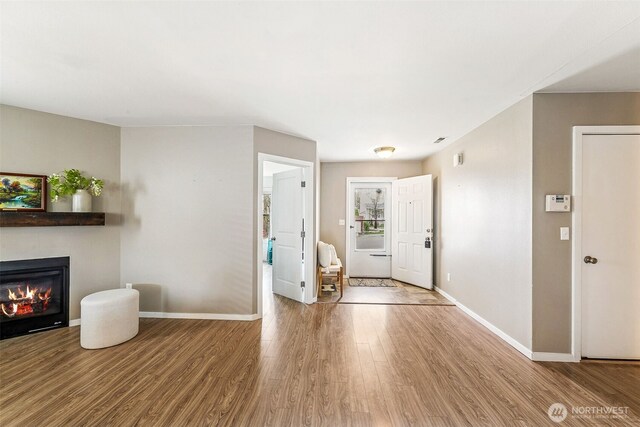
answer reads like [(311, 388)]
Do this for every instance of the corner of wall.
[(487, 199), (554, 115)]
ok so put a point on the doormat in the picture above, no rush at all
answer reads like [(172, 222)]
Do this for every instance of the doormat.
[(371, 283)]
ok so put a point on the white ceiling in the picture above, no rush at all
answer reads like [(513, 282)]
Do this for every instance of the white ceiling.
[(350, 75)]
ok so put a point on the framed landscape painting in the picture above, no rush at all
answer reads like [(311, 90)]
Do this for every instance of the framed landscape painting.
[(22, 192)]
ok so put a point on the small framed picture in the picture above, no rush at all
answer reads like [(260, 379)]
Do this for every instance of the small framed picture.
[(23, 192)]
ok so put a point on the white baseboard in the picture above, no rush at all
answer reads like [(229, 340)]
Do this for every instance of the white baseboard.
[(553, 357), (203, 316), (508, 339)]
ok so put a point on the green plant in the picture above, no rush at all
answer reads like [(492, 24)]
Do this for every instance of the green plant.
[(72, 180)]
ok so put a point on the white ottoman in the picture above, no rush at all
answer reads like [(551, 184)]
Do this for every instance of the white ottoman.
[(108, 318)]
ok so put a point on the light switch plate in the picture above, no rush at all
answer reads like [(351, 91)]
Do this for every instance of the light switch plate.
[(564, 233), (341, 222)]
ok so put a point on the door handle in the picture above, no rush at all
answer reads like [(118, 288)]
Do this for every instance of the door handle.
[(351, 226), (273, 239), (590, 260)]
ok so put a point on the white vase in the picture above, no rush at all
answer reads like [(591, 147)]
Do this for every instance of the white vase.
[(81, 201)]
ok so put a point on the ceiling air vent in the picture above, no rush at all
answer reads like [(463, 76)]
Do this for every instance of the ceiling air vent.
[(439, 140)]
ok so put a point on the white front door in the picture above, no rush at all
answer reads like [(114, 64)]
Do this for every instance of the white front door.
[(611, 240), (369, 237), (412, 231), (287, 217)]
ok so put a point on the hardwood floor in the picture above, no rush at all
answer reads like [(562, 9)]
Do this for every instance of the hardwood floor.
[(325, 364)]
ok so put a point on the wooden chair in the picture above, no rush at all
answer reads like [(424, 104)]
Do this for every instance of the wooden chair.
[(333, 270)]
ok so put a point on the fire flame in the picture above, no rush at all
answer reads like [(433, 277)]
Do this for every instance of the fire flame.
[(21, 302)]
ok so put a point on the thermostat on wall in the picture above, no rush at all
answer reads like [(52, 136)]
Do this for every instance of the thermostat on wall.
[(558, 203)]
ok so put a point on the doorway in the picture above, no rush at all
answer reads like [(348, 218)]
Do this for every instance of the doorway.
[(285, 232), (389, 241), (368, 234), (606, 274)]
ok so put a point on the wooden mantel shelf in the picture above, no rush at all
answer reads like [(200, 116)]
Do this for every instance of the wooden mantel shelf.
[(50, 219)]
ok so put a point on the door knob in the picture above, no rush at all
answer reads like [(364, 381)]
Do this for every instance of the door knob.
[(590, 260), (273, 239)]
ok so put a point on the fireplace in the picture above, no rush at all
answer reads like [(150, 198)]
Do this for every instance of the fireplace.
[(34, 295)]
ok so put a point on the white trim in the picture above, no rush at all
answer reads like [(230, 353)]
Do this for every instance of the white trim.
[(505, 337), (203, 316), (576, 224), (553, 357), (309, 215), (348, 212)]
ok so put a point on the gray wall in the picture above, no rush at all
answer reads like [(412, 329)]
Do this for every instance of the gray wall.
[(483, 220), (554, 115), (41, 143), (333, 196), (188, 218), (526, 152), (190, 205)]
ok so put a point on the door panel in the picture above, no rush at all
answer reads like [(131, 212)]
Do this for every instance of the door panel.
[(611, 234), (287, 223), (417, 265), (412, 224), (402, 216), (369, 207), (401, 256), (418, 217)]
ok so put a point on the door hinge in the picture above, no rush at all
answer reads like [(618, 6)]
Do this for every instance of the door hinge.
[(303, 184), (302, 284), (303, 234)]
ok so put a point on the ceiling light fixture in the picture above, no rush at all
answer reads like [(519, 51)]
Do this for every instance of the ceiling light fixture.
[(384, 152), (439, 140)]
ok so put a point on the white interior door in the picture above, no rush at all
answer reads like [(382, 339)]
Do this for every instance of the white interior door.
[(287, 217), (611, 237), (369, 237), (412, 231)]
